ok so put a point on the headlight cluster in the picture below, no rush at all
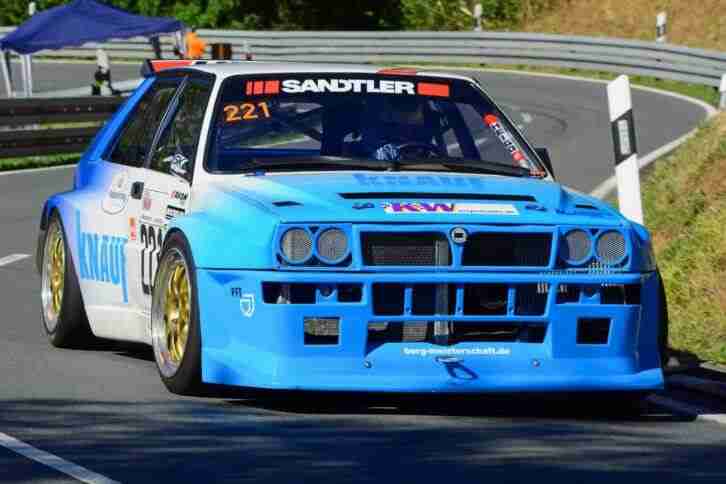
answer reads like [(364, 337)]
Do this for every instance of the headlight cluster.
[(301, 245), (608, 247)]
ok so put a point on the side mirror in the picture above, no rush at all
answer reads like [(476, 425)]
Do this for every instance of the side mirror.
[(544, 156)]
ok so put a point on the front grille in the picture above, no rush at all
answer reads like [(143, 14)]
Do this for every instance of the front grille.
[(507, 249), (470, 332), (405, 249)]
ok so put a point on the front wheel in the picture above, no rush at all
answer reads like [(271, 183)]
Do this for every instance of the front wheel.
[(175, 332)]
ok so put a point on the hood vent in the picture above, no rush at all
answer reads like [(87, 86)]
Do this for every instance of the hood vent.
[(436, 196), (286, 203)]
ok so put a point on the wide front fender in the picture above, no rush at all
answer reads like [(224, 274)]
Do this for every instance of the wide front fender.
[(217, 242)]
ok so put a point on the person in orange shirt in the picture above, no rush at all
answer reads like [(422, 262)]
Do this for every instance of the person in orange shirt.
[(195, 45)]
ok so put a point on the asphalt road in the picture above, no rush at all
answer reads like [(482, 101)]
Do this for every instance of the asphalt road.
[(106, 409)]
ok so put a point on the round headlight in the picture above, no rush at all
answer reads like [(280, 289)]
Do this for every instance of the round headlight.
[(296, 245), (332, 245), (610, 247), (576, 247)]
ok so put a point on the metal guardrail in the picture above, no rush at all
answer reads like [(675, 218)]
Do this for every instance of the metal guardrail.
[(21, 124), (665, 61)]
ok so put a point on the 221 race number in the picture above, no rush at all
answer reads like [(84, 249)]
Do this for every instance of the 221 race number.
[(234, 113)]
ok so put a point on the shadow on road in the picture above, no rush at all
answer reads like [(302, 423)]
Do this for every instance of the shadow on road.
[(310, 438)]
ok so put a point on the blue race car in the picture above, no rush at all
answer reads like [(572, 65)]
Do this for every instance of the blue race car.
[(323, 227)]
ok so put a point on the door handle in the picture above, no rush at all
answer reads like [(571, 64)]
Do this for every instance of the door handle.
[(137, 189)]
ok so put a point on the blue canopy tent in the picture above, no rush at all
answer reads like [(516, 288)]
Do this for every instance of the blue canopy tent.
[(75, 24)]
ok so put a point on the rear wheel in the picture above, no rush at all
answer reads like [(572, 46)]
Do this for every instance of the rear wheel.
[(63, 315), (175, 330)]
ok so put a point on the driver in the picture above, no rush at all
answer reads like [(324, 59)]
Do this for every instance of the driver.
[(392, 122)]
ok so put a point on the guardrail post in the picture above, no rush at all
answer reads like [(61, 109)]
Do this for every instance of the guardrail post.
[(5, 68), (627, 171), (722, 89), (661, 22)]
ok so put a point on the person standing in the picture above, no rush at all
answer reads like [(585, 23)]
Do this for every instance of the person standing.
[(195, 45)]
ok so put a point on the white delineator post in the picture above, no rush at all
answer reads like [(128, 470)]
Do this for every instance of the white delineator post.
[(722, 89), (477, 14), (627, 171), (4, 63), (661, 20)]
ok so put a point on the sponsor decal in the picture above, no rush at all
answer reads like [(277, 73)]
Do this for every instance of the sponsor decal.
[(369, 86), (147, 200), (246, 301), (477, 351), (172, 212), (506, 139), (418, 207), (177, 164), (462, 208), (363, 205), (117, 195), (247, 305), (446, 181), (102, 258), (132, 229), (179, 196)]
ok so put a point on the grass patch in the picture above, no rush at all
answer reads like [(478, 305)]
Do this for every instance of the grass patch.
[(9, 164), (685, 209), (695, 24)]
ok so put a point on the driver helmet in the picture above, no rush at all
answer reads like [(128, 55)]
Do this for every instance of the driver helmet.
[(394, 120)]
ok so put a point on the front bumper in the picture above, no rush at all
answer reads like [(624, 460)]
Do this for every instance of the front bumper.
[(249, 342)]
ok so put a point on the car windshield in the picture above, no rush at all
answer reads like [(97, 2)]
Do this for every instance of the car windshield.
[(289, 122)]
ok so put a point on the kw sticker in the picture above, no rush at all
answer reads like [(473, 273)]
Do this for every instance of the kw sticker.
[(462, 208), (102, 258)]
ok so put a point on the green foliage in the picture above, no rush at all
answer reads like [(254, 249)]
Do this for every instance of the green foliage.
[(318, 14), (436, 15), (458, 14)]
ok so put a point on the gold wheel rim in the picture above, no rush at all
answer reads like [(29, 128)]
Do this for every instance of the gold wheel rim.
[(177, 311), (56, 270)]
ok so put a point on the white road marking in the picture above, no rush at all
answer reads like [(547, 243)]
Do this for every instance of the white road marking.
[(9, 259), (36, 170), (527, 118), (687, 409), (53, 461)]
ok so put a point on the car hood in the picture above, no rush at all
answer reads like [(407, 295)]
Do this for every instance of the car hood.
[(374, 197)]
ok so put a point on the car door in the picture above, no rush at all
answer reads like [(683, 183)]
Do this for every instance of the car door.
[(168, 177), (105, 227)]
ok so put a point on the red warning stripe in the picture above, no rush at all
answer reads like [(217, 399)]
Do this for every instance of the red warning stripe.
[(398, 71), (433, 89), (253, 88), (160, 65), (490, 119)]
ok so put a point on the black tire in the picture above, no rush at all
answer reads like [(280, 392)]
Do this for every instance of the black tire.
[(187, 379), (71, 329), (663, 324)]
